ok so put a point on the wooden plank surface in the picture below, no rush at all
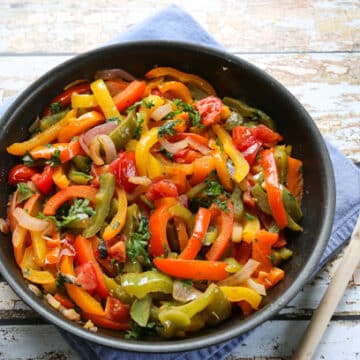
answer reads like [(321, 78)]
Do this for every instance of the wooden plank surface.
[(312, 47)]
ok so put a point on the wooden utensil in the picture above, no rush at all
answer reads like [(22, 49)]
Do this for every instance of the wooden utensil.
[(333, 294)]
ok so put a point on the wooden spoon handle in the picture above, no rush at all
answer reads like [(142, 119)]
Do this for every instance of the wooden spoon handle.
[(333, 294)]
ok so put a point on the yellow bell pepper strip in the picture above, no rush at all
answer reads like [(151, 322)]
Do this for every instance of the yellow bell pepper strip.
[(239, 293), (39, 247), (148, 105), (74, 191), (102, 204), (154, 168), (221, 169), (80, 297), (104, 99), (60, 178), (28, 261), (158, 242), (224, 222), (182, 77), (272, 186), (177, 89), (79, 125), (141, 284), (142, 151), (19, 236), (194, 244), (192, 269), (241, 165), (118, 221), (83, 101), (251, 225), (45, 137), (42, 277)]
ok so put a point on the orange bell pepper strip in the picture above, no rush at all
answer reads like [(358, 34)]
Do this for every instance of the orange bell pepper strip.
[(45, 137), (74, 191), (132, 93), (224, 222), (271, 278), (39, 247), (202, 167), (104, 322), (46, 151), (261, 249), (182, 77), (59, 178), (53, 256), (183, 237), (158, 242), (74, 148), (84, 254), (80, 297), (194, 244), (272, 186), (177, 89), (192, 269), (118, 221), (295, 178), (79, 125), (64, 300)]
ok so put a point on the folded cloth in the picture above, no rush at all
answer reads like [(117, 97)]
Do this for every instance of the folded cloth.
[(173, 23)]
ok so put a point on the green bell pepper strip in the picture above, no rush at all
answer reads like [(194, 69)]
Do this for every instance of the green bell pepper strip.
[(140, 310), (281, 160), (82, 163), (141, 284), (184, 213), (49, 120), (116, 290), (237, 203), (177, 318), (261, 198), (291, 205), (235, 119), (132, 220), (79, 177), (102, 204), (218, 310), (196, 190), (249, 112), (125, 131)]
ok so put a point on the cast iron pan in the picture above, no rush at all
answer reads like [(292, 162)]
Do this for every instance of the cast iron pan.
[(230, 76)]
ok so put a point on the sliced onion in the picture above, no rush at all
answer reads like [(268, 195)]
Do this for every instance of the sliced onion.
[(113, 74), (161, 112), (183, 200), (139, 180), (242, 275), (4, 227), (199, 147), (259, 288), (236, 235), (86, 138), (184, 293), (108, 147), (173, 147), (68, 251), (30, 222), (94, 152)]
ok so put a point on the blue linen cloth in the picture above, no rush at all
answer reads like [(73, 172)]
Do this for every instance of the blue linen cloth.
[(172, 23)]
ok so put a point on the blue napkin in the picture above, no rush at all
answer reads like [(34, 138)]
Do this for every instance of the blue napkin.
[(173, 23)]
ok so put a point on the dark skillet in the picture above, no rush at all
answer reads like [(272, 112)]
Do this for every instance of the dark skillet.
[(230, 76)]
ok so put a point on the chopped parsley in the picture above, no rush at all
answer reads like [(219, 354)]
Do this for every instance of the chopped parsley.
[(136, 245), (146, 103), (139, 127), (214, 188), (249, 216), (24, 192), (168, 154), (65, 215), (63, 279), (55, 107), (55, 158), (137, 332), (194, 115), (168, 128)]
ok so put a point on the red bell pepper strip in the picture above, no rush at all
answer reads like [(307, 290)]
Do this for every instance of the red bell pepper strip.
[(224, 222), (210, 110), (116, 310), (261, 249), (64, 99), (161, 188), (192, 269), (20, 173), (273, 190), (85, 254), (64, 301), (132, 93), (104, 322), (74, 191), (44, 181), (158, 243), (193, 246)]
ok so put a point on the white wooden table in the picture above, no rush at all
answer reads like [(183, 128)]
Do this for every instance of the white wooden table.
[(312, 47)]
